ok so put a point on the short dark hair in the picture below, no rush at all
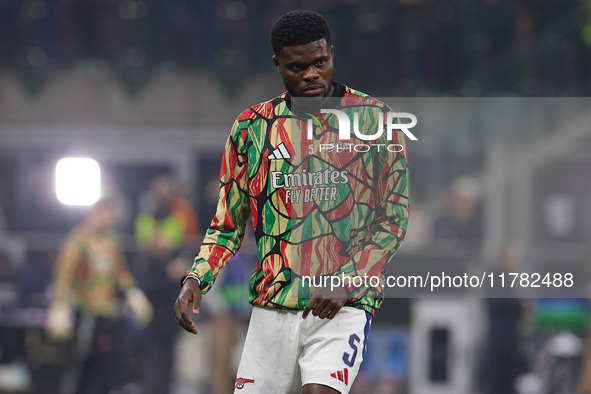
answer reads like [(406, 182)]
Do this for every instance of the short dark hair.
[(298, 28)]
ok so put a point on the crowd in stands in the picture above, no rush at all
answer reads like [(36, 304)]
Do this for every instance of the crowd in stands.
[(428, 47)]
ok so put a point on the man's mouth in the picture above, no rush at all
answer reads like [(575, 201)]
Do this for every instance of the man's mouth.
[(312, 90)]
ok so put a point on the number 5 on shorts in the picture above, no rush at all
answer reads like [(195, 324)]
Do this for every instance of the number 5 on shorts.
[(349, 359)]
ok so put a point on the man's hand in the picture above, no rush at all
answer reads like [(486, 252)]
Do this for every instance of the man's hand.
[(140, 306), (326, 303), (60, 322), (190, 294)]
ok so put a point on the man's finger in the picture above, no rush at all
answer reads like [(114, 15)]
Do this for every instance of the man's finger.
[(181, 303), (197, 300), (186, 322), (309, 306), (184, 319), (334, 312), (181, 311), (323, 308)]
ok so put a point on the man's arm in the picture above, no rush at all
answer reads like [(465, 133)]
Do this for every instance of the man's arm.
[(59, 319), (224, 236), (65, 268), (141, 308), (123, 276)]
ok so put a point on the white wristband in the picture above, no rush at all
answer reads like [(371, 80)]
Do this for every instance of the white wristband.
[(193, 277)]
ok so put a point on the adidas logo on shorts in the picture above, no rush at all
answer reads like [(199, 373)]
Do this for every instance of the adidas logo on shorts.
[(342, 375), (280, 153)]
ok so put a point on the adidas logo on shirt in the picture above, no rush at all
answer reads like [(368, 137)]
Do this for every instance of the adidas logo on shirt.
[(342, 375), (280, 153)]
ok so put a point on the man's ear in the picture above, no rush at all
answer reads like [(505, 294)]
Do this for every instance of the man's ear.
[(331, 51), (276, 63)]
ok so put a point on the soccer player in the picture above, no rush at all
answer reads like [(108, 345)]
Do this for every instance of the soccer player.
[(339, 215), (90, 273)]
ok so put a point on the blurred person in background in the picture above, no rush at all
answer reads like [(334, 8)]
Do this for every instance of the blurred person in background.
[(460, 224), (462, 217), (503, 337), (165, 232), (420, 231), (90, 274), (122, 206), (165, 199), (13, 338)]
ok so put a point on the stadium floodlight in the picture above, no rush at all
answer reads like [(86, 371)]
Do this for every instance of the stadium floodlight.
[(77, 181)]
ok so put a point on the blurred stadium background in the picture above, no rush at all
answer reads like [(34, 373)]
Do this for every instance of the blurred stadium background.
[(150, 88)]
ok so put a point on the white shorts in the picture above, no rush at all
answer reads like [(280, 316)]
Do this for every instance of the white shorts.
[(284, 352)]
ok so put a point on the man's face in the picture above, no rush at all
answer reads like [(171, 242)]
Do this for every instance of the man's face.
[(307, 69), (101, 218)]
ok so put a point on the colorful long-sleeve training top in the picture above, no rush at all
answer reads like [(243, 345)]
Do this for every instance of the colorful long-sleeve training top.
[(90, 270), (323, 206)]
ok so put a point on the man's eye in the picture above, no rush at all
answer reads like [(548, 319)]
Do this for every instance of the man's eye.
[(296, 67), (320, 63)]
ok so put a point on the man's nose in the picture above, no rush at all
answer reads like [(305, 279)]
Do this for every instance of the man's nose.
[(311, 73)]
